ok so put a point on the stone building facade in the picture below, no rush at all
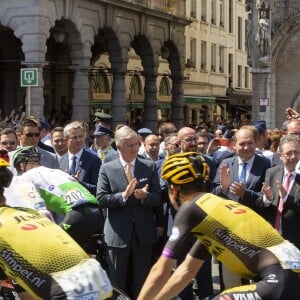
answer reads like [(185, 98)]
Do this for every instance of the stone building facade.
[(275, 58), (219, 86), (65, 38)]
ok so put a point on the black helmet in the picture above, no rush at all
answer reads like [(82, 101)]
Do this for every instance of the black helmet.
[(5, 174), (24, 154), (182, 168)]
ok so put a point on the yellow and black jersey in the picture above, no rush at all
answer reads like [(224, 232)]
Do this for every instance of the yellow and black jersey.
[(233, 233), (32, 248)]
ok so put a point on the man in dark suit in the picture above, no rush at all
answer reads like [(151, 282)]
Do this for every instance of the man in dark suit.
[(240, 177), (282, 188), (29, 135), (78, 162), (128, 187)]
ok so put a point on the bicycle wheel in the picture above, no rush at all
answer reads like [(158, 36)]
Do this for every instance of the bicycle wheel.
[(119, 295)]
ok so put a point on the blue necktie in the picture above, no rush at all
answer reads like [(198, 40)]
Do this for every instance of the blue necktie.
[(73, 166), (243, 173)]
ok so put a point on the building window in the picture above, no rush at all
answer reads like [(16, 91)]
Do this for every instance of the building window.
[(203, 10), (203, 55), (135, 85), (230, 15), (221, 58), (240, 33), (222, 19), (99, 82), (213, 57), (239, 75), (193, 52), (214, 12), (164, 87), (230, 70), (246, 77), (193, 9)]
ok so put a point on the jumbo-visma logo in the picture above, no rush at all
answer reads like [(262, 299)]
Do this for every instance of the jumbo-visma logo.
[(239, 211), (29, 227)]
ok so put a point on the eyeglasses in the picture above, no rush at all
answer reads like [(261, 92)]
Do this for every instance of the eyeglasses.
[(189, 140), (173, 144), (12, 143), (32, 134), (32, 161), (289, 154), (58, 141)]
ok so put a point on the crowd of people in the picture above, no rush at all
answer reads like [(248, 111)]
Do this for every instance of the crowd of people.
[(119, 183)]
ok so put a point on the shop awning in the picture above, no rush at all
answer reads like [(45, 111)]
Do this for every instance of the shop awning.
[(199, 99)]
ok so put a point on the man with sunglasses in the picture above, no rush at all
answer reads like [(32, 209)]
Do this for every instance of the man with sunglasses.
[(29, 135), (8, 139)]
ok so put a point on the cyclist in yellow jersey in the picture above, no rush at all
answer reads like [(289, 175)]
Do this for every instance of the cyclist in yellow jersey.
[(233, 233), (42, 258)]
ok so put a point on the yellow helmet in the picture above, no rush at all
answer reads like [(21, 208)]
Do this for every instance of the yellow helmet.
[(3, 163), (184, 168), (5, 174)]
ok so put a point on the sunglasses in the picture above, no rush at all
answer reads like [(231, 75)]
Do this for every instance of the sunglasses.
[(12, 143), (32, 134)]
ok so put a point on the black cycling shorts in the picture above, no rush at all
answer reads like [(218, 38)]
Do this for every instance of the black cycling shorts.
[(274, 283), (82, 222)]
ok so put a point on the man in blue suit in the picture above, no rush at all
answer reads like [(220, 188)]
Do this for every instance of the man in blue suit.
[(79, 162), (240, 177), (128, 187)]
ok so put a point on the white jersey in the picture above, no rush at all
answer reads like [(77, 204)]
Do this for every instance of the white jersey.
[(60, 191), (23, 193)]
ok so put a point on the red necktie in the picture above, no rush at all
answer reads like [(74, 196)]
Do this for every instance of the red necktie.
[(280, 204)]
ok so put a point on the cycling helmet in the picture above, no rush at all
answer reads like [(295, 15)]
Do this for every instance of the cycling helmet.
[(4, 154), (184, 168), (5, 174), (24, 154)]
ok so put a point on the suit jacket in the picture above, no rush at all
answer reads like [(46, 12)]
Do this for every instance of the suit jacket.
[(124, 217), (290, 223), (88, 167), (48, 159), (254, 182)]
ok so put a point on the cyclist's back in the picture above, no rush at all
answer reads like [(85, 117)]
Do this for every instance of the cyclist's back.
[(242, 240), (44, 260)]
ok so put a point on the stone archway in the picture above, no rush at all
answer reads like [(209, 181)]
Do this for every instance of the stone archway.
[(12, 95)]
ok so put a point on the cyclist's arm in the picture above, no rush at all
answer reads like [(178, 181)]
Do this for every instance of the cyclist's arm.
[(182, 276), (158, 276)]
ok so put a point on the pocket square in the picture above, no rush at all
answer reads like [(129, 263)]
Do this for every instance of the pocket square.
[(143, 179)]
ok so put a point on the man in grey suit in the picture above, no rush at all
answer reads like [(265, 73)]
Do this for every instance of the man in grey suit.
[(128, 187), (29, 135), (282, 183)]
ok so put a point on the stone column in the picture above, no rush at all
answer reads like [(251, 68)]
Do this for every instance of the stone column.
[(80, 102), (118, 103), (177, 102), (34, 51), (150, 102), (81, 55)]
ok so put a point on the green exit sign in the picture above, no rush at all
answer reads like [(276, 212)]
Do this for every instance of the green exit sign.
[(29, 77)]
